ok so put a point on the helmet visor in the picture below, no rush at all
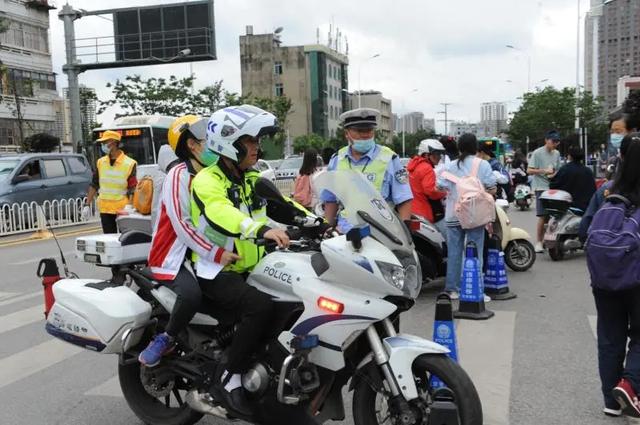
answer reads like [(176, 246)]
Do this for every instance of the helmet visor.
[(199, 129)]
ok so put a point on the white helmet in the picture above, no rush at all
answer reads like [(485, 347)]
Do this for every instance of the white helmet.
[(229, 124), (430, 146)]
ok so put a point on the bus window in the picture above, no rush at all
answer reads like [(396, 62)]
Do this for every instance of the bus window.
[(160, 137), (136, 143)]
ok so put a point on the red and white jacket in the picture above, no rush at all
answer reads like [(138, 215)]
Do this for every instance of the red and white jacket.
[(174, 231)]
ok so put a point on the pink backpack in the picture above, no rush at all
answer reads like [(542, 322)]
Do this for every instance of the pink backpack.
[(474, 206)]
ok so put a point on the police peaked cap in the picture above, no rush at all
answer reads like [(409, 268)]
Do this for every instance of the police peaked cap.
[(360, 118)]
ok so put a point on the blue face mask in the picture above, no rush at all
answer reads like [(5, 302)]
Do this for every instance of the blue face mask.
[(363, 146), (105, 149), (208, 158), (616, 140)]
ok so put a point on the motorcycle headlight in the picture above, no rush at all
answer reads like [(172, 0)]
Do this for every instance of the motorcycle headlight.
[(392, 273)]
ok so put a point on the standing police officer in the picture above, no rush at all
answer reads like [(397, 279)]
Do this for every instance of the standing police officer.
[(114, 180), (380, 165)]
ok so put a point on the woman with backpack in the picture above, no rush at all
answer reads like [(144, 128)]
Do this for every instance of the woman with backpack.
[(303, 192), (615, 281), (467, 210)]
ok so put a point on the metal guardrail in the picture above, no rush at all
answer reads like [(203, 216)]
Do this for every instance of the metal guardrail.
[(285, 186), (30, 216)]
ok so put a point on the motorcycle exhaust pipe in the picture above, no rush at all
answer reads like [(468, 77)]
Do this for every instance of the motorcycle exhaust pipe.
[(571, 244), (203, 403)]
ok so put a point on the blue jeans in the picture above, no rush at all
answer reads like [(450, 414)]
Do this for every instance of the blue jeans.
[(618, 319), (455, 252)]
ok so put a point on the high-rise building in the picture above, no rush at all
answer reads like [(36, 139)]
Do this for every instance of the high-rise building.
[(410, 123), (88, 108), (375, 99), (612, 46), (28, 87), (626, 84), (458, 128), (493, 119), (313, 76), (429, 124)]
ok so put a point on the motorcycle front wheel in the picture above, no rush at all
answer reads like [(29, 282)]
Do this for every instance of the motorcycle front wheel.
[(371, 407), (519, 255), (156, 396)]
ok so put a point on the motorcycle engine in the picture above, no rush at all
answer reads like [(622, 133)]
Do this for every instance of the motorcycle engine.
[(256, 380)]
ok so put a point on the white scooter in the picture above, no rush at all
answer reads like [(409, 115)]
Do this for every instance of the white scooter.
[(336, 301), (519, 253), (561, 235)]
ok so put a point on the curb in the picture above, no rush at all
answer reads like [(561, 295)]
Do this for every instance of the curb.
[(39, 236)]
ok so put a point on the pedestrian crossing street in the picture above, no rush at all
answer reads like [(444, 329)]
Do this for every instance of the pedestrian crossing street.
[(477, 342)]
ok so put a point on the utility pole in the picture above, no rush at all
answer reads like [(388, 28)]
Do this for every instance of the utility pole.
[(446, 117), (68, 15)]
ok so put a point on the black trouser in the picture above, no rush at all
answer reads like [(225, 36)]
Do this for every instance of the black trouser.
[(186, 287), (109, 224), (618, 319), (234, 301)]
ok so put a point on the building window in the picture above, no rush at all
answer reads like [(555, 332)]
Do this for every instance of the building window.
[(331, 113), (26, 36), (277, 68), (279, 89)]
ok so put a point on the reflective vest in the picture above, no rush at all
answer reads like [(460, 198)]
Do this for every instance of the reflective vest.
[(113, 182), (228, 213), (373, 170)]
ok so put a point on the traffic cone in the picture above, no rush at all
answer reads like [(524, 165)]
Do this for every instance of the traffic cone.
[(496, 284), (48, 271), (471, 304), (444, 332)]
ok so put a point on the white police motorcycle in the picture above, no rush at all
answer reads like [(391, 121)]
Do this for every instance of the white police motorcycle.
[(338, 301)]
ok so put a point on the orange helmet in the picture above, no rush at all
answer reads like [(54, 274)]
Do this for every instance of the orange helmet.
[(177, 128)]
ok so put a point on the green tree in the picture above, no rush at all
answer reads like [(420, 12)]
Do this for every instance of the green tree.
[(411, 141), (552, 108), (301, 143), (41, 142)]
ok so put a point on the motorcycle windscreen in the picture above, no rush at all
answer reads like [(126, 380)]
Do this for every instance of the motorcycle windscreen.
[(362, 204)]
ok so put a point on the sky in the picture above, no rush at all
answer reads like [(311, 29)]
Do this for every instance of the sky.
[(430, 52)]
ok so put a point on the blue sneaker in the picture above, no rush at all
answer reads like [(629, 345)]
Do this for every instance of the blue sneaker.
[(160, 345)]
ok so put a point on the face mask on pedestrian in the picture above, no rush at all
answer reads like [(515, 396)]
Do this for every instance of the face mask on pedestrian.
[(208, 158), (616, 140), (364, 146), (105, 148)]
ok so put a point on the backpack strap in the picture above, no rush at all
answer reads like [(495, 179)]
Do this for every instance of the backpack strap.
[(615, 198), (475, 166), (447, 175)]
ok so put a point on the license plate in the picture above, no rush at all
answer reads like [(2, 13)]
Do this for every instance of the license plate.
[(92, 258)]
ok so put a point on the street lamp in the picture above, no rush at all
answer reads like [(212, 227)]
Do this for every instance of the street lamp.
[(404, 118), (359, 73), (509, 46)]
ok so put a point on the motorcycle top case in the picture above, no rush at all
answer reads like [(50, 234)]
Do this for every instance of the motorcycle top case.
[(557, 200), (112, 249), (94, 314)]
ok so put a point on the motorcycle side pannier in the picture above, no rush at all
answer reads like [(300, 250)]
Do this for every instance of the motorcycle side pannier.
[(95, 314)]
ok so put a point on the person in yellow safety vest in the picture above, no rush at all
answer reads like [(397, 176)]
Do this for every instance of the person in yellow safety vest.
[(114, 180), (380, 165), (227, 209)]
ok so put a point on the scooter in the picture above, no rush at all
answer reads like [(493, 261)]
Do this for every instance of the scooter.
[(523, 196), (519, 253), (431, 247), (336, 300), (561, 235)]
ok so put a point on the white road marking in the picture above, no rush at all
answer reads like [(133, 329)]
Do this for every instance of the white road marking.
[(486, 354), (37, 260), (593, 323), (34, 359), (11, 300), (21, 318), (4, 295), (109, 388)]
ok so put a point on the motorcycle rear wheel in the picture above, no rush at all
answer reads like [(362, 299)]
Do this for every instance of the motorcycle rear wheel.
[(170, 409), (366, 400), (556, 253)]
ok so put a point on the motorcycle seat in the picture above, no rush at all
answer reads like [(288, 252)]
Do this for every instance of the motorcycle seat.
[(577, 211)]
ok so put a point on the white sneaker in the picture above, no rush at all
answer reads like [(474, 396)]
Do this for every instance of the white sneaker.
[(539, 248), (454, 295), (612, 412), (487, 298)]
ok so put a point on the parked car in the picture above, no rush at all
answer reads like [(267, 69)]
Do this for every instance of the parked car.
[(274, 163), (290, 167), (43, 177), (266, 170)]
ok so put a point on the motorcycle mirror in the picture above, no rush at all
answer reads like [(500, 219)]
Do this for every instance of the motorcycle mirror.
[(267, 190)]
